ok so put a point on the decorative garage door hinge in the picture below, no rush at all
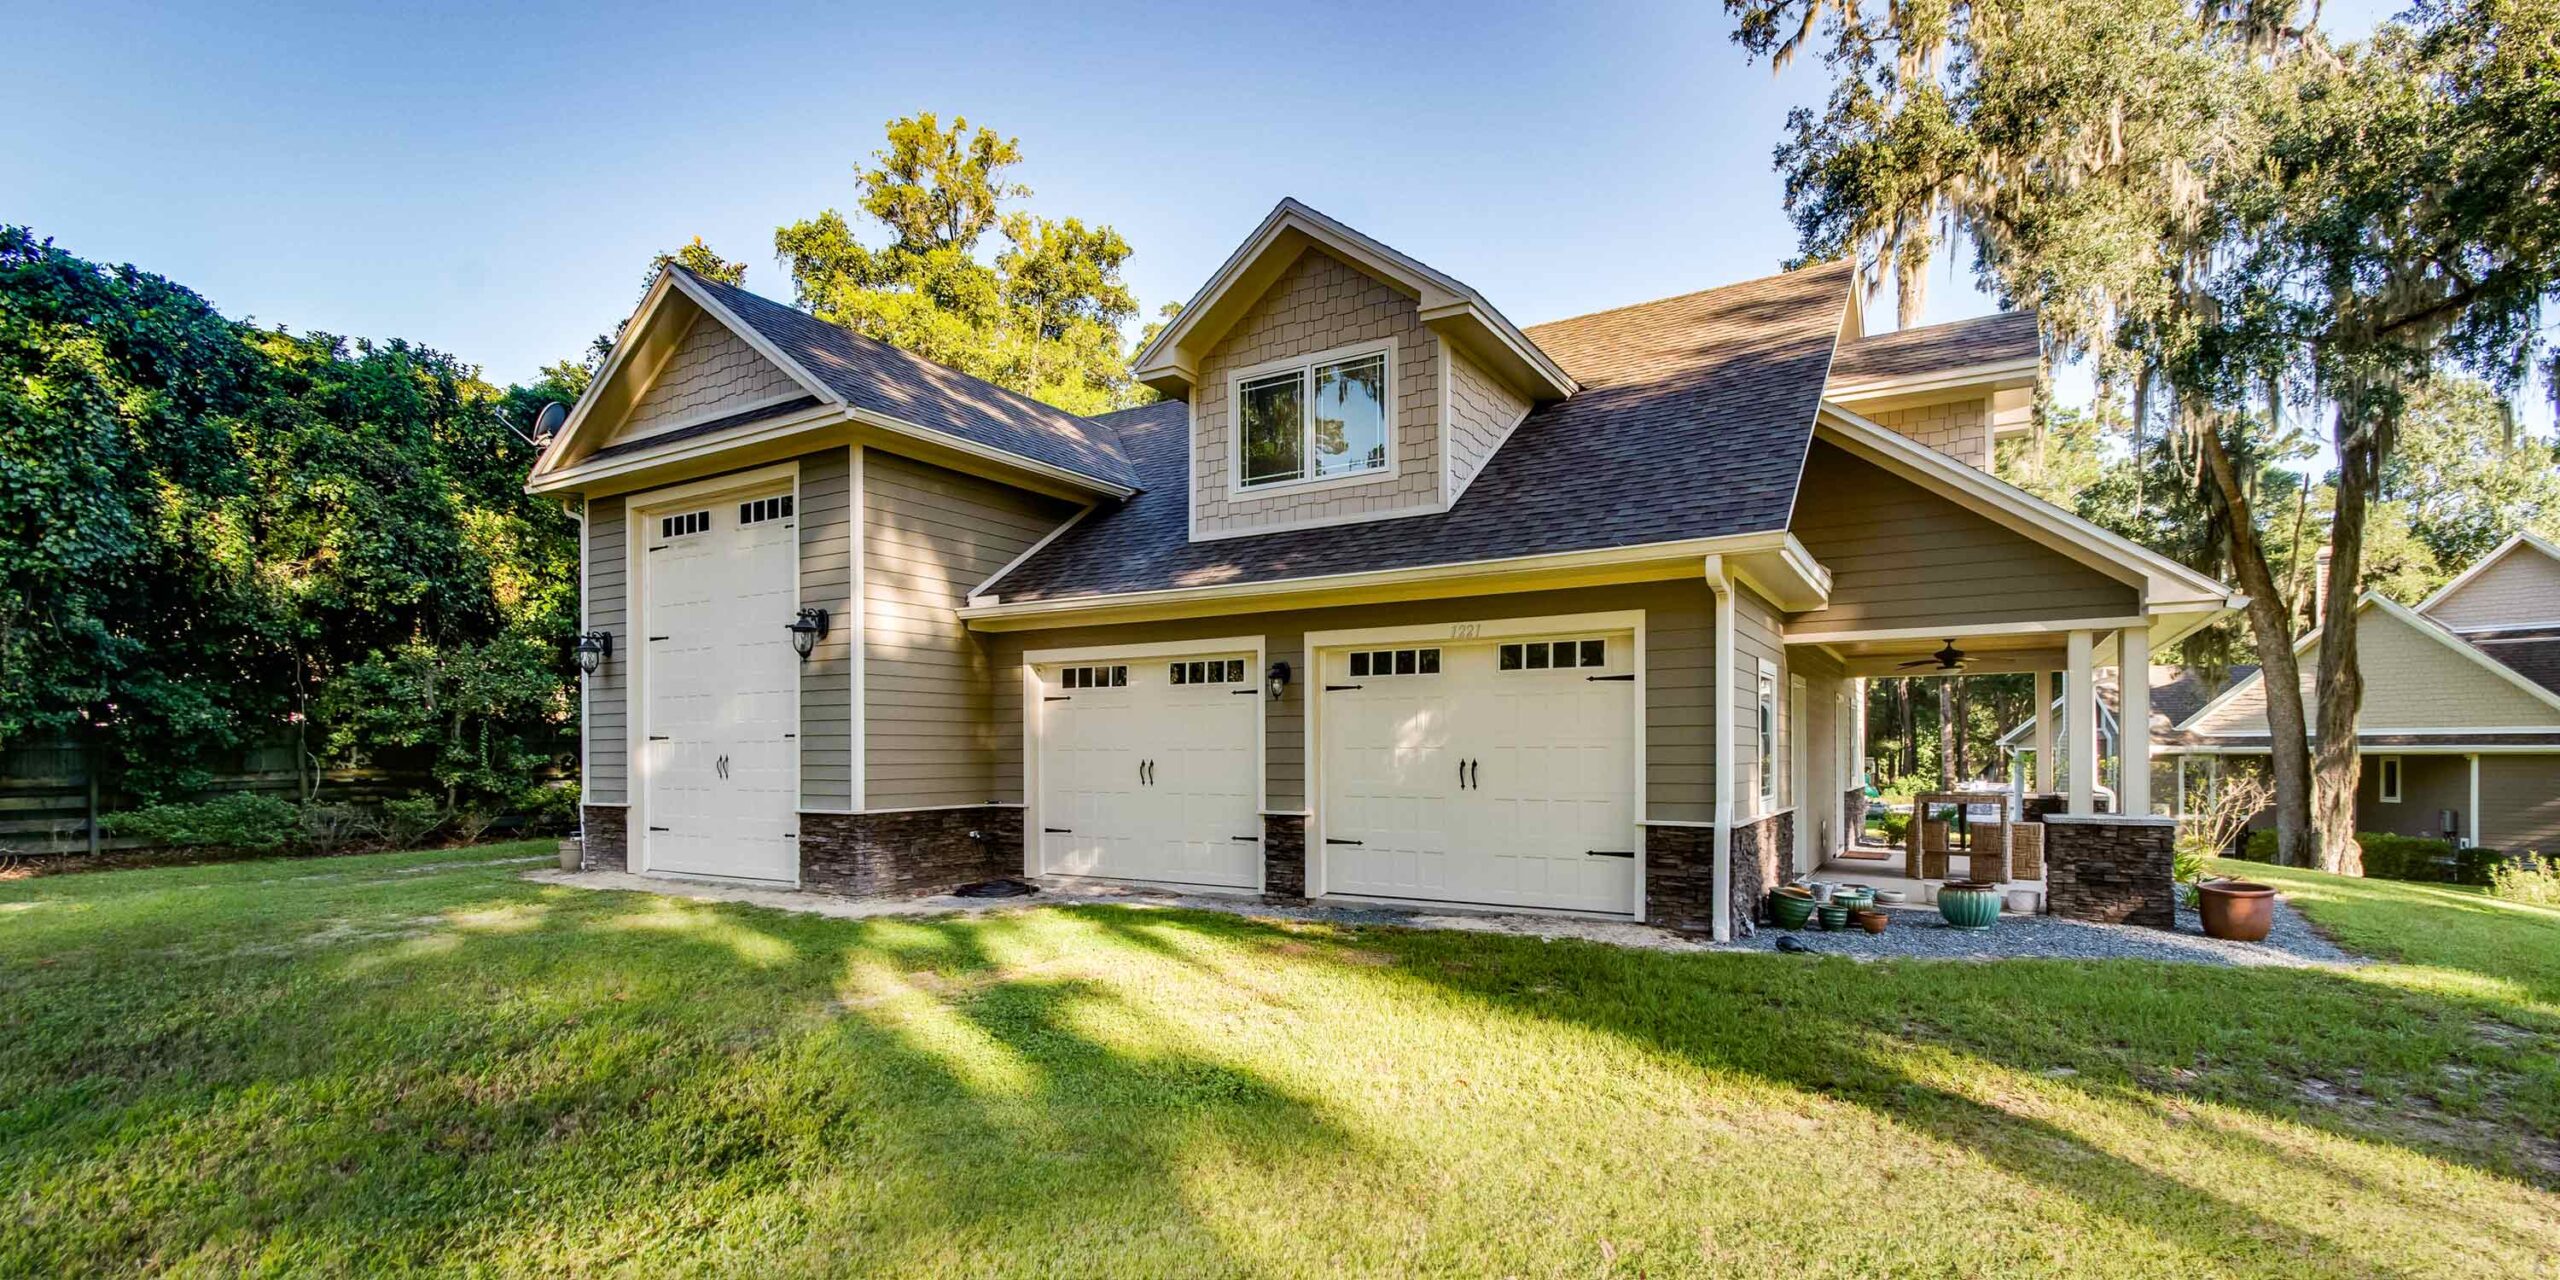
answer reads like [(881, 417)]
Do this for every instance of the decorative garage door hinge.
[(657, 828), (1255, 839), (1627, 676), (1332, 840), (1609, 853), (1057, 697), (1059, 831), (1337, 688)]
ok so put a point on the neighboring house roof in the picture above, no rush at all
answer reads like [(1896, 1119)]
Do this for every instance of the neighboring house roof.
[(2532, 669), (871, 375), (2501, 591), (1938, 348), (2532, 653), (2176, 693), (1692, 421)]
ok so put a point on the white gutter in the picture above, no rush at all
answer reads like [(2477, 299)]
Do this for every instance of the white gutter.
[(1720, 874)]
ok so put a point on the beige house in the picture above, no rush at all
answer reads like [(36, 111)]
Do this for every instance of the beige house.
[(1389, 599), (2460, 729)]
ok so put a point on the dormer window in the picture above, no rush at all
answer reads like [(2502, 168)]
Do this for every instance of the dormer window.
[(1314, 418)]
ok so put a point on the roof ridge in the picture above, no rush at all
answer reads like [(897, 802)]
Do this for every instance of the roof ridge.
[(1693, 293)]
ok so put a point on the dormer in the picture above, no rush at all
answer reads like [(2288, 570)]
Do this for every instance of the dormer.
[(1332, 379), (1955, 387)]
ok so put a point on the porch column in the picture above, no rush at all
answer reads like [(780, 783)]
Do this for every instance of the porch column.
[(2471, 816), (2043, 778), (2080, 719), (2133, 721)]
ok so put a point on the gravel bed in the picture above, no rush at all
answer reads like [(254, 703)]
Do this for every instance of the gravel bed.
[(1919, 932)]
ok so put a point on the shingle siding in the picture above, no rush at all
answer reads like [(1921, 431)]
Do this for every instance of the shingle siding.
[(1960, 429), (929, 536), (2520, 803), (1318, 304), (2411, 681), (711, 368), (2521, 589), (1482, 412)]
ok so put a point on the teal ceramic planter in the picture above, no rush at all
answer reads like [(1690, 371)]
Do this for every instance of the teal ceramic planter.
[(1969, 907), (1789, 910), (1835, 917)]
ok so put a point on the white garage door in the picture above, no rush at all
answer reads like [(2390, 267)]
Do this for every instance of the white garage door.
[(1147, 770), (719, 759), (1489, 774)]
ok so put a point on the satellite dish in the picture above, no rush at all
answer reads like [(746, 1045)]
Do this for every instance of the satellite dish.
[(547, 423)]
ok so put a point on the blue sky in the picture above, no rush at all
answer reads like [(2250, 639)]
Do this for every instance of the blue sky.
[(493, 180)]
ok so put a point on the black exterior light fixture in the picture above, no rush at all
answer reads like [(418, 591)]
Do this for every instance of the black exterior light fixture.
[(1278, 681), (594, 649), (806, 631)]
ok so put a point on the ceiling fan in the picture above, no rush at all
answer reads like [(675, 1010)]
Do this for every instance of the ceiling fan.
[(1949, 658)]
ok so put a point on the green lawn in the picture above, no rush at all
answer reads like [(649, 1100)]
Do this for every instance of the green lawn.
[(418, 1061)]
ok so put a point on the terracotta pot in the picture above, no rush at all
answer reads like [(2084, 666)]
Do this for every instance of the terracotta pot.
[(2236, 910), (1871, 921)]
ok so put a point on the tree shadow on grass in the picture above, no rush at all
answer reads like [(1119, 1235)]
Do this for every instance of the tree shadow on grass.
[(602, 1084)]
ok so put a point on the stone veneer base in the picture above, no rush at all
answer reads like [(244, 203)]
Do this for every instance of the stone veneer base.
[(909, 852), (2112, 870), (1679, 878), (1761, 850), (604, 838), (1284, 855)]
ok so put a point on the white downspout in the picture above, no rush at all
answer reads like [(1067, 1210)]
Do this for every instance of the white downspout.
[(1720, 876)]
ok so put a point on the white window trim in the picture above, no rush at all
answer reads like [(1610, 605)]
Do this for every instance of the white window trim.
[(1769, 706), (2387, 778), (1238, 490)]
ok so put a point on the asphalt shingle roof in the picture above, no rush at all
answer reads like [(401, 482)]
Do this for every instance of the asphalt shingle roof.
[(1959, 344), (1693, 421), (881, 378), (2533, 654)]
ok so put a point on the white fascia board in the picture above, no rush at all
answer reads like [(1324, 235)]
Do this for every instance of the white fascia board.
[(1989, 376), (1041, 612)]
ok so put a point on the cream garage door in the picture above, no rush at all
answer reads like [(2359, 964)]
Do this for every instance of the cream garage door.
[(719, 755), (1147, 770), (1496, 773)]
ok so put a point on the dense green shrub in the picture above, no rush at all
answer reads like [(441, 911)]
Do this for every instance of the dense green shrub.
[(243, 820), (2392, 857), (2528, 878)]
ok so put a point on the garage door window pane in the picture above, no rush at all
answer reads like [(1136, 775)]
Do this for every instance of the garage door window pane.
[(1430, 662), (1537, 655), (1510, 657), (1595, 653)]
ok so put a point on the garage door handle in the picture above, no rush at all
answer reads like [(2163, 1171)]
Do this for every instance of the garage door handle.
[(1475, 775), (1628, 676), (1609, 853), (1331, 840)]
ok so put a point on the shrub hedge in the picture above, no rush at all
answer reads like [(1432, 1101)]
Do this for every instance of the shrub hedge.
[(2391, 857)]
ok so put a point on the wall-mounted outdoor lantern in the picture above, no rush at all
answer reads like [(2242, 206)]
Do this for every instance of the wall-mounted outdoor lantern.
[(594, 649), (1279, 680), (807, 630)]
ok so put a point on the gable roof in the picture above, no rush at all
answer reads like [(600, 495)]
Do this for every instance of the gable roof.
[(1720, 384), (1448, 305), (2193, 727), (2533, 653), (868, 380), (2450, 593), (2001, 338), (2176, 693)]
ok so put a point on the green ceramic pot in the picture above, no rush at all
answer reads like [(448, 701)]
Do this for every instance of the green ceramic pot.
[(1969, 906), (1834, 916), (1855, 900), (1790, 910)]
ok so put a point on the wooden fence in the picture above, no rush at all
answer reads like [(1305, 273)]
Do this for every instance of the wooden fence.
[(48, 806)]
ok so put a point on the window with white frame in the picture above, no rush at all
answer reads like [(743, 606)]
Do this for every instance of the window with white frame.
[(1768, 737), (2387, 770), (1322, 419)]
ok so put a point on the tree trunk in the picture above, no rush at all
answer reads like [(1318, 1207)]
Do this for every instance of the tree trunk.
[(2341, 680), (2270, 628), (1964, 728), (1910, 738)]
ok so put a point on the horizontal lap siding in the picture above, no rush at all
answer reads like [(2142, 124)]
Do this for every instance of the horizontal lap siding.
[(825, 516), (929, 536), (2520, 803), (1901, 556), (2412, 681), (1679, 740), (2521, 589), (607, 729), (1758, 633)]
